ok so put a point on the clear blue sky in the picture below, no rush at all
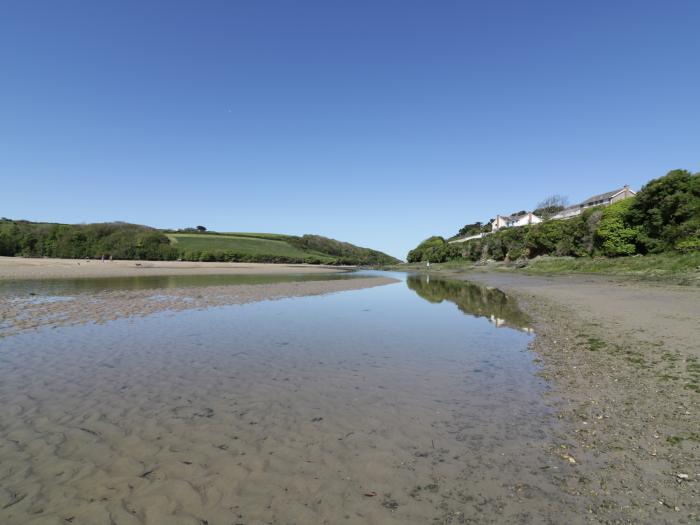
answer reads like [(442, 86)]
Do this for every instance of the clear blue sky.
[(375, 122)]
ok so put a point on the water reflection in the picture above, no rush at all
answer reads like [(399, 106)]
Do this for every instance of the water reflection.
[(148, 282), (472, 299)]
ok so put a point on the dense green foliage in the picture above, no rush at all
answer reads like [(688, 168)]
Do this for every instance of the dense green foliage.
[(345, 253), (77, 241), (473, 229), (130, 241), (667, 213), (614, 235), (434, 249), (663, 217)]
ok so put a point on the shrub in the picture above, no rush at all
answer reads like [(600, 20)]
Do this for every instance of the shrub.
[(613, 236), (667, 211)]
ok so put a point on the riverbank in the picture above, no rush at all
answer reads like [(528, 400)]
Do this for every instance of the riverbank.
[(624, 363), (668, 268), (39, 268)]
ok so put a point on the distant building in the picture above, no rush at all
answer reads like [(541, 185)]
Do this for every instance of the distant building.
[(509, 221), (604, 199)]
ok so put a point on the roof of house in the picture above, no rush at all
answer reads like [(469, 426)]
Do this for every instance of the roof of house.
[(605, 196)]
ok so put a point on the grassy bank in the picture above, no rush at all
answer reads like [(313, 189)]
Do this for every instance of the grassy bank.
[(659, 266), (677, 268)]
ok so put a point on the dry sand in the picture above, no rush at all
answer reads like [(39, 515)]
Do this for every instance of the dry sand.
[(623, 357), (27, 268)]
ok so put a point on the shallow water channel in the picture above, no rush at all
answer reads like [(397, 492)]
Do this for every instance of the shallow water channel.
[(414, 402)]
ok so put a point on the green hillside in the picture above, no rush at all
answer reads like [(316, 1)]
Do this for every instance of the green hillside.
[(131, 241), (243, 244), (271, 247)]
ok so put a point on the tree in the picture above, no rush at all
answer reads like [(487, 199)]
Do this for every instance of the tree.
[(434, 249), (554, 200), (201, 229), (667, 211), (551, 205), (471, 229)]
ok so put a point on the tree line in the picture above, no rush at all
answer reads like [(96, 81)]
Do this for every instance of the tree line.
[(77, 241), (663, 217)]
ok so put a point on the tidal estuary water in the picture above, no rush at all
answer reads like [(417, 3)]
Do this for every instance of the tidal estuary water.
[(414, 402)]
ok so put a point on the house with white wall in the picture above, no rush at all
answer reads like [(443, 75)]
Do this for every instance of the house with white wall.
[(509, 221)]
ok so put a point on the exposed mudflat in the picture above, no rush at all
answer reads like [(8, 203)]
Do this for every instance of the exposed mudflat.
[(623, 358)]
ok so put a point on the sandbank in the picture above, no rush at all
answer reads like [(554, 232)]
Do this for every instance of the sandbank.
[(45, 268)]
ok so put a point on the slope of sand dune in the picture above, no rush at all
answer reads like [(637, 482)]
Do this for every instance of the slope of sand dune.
[(27, 268)]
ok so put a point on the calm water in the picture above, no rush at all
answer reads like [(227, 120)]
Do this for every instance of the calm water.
[(147, 282), (416, 402)]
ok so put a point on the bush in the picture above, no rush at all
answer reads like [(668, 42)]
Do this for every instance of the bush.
[(613, 236), (667, 211)]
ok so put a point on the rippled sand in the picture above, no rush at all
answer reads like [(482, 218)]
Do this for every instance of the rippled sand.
[(349, 408)]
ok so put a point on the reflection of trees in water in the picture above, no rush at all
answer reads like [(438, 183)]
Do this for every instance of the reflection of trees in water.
[(471, 299)]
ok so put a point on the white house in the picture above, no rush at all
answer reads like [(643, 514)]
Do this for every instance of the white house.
[(509, 221), (604, 199)]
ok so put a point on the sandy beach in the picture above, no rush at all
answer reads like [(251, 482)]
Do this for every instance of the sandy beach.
[(28, 268)]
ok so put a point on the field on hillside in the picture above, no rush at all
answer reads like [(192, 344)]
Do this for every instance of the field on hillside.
[(246, 243)]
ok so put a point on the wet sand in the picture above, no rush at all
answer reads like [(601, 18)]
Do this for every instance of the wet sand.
[(18, 313), (326, 410), (28, 268), (623, 358)]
